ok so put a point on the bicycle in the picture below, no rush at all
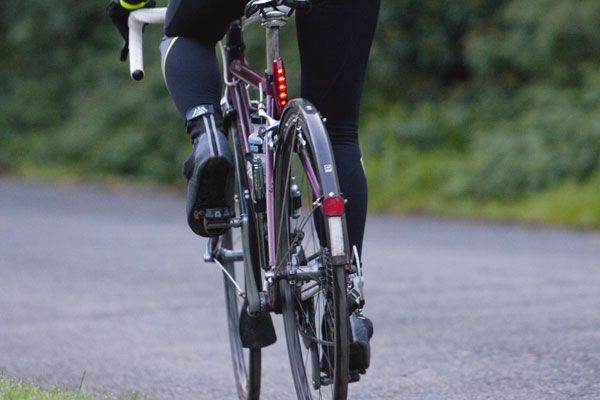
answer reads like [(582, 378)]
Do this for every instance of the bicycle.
[(289, 214)]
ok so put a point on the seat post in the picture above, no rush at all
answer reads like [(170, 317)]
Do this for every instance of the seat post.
[(272, 47), (273, 20)]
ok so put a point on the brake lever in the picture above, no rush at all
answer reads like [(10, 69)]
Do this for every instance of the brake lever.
[(124, 51)]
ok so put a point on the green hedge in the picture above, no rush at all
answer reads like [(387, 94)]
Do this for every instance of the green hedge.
[(480, 100)]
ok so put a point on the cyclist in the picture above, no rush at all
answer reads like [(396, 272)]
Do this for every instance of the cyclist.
[(334, 39)]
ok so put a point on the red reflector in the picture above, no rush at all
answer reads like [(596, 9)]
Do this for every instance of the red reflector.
[(334, 206)]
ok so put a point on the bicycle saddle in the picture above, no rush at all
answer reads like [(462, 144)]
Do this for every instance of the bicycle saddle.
[(255, 6)]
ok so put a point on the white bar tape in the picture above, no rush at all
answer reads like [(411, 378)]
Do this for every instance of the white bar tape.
[(136, 22)]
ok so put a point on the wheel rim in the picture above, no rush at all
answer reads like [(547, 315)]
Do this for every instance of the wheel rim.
[(308, 307)]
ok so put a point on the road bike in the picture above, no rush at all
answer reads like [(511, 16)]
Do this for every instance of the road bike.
[(292, 255)]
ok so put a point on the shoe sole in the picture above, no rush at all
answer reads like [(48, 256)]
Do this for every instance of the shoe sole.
[(359, 359), (213, 182)]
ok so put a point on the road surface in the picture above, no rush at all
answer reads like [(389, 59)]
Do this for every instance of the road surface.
[(112, 284)]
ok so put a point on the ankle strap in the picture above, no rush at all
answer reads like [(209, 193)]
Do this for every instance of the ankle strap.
[(199, 110), (201, 118)]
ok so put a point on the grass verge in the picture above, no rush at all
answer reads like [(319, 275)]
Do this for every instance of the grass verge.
[(19, 390), (404, 183), (427, 184)]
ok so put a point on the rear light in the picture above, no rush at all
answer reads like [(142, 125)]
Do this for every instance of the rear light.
[(334, 206), (280, 83)]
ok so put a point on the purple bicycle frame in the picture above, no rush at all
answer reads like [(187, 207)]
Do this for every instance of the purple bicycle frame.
[(240, 74)]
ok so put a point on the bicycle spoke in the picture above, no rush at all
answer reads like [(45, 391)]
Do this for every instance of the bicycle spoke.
[(312, 303), (285, 198), (315, 206)]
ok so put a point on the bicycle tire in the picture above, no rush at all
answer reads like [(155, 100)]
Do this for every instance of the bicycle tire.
[(247, 374), (304, 319)]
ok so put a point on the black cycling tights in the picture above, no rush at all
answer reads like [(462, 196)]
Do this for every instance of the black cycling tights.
[(334, 39)]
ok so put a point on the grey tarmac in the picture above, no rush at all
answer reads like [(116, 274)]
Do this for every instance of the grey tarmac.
[(112, 284)]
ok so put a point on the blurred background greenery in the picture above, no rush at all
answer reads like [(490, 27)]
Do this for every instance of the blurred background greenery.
[(478, 108)]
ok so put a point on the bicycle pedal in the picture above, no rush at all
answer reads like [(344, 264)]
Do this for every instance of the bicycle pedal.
[(256, 331), (325, 380), (216, 218), (354, 376), (211, 250), (355, 300)]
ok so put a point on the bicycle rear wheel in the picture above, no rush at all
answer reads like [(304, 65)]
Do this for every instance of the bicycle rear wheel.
[(246, 362), (312, 255)]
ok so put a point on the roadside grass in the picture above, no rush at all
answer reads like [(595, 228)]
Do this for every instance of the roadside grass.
[(426, 184), (19, 390), (64, 174), (400, 182)]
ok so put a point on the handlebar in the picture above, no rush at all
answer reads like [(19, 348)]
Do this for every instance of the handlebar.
[(136, 22), (139, 18)]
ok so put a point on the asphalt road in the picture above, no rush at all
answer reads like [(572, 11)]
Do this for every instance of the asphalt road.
[(113, 284)]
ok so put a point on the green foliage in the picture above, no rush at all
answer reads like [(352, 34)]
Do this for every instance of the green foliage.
[(420, 45), (509, 87), (437, 44), (547, 144), (537, 40), (465, 102), (426, 125), (43, 46), (543, 137), (69, 101)]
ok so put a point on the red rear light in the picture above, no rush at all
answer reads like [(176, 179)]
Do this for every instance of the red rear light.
[(334, 206), (279, 79)]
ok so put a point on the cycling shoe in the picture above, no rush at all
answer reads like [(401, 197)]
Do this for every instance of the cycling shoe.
[(209, 170)]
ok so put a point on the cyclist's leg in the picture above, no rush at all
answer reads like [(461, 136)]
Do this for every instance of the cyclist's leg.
[(190, 66), (192, 76), (191, 72), (335, 38)]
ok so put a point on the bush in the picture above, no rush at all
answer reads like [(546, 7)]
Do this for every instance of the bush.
[(501, 145), (425, 126), (537, 40), (426, 39), (475, 100), (537, 151)]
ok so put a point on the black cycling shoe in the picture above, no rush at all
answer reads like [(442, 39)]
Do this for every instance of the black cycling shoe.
[(360, 348), (209, 170)]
